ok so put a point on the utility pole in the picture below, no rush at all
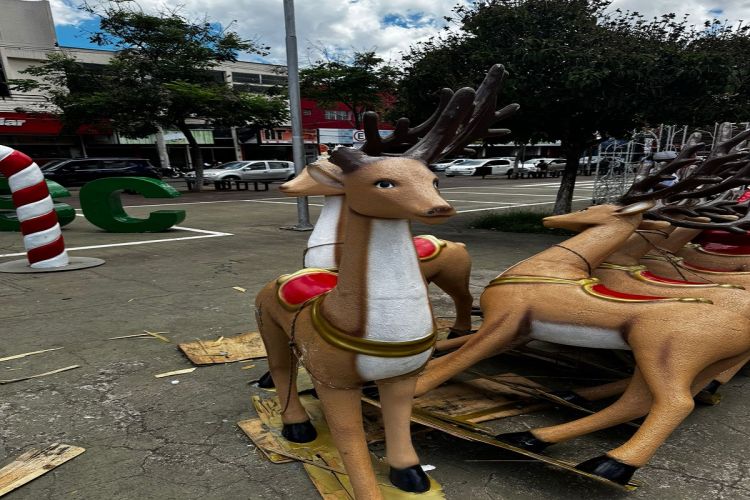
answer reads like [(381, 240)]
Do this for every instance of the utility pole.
[(298, 145)]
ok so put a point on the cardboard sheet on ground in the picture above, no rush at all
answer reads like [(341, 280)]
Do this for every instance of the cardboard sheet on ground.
[(34, 463), (225, 349), (322, 461)]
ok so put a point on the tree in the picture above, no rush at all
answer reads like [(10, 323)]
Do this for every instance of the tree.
[(160, 76), (578, 72), (361, 85)]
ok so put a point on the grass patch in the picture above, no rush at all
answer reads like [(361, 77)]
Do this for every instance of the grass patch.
[(517, 222)]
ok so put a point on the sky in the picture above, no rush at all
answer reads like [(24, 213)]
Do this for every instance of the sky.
[(387, 27)]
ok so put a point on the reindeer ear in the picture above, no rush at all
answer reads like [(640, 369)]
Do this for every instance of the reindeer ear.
[(326, 173), (636, 208)]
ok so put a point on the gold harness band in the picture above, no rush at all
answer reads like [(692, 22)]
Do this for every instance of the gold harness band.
[(589, 286), (680, 261), (637, 273), (381, 349)]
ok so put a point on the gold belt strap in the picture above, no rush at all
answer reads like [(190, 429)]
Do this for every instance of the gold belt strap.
[(379, 348), (618, 267), (509, 280)]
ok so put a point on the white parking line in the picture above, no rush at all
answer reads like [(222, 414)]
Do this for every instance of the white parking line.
[(500, 194), (489, 202), (513, 206), (204, 234)]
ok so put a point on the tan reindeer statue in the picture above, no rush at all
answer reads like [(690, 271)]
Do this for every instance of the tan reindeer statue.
[(445, 263), (375, 322), (679, 344)]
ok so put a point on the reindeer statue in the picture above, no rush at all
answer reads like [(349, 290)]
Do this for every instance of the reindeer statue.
[(375, 322), (673, 359)]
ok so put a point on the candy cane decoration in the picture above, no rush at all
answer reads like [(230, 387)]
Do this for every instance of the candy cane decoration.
[(42, 237)]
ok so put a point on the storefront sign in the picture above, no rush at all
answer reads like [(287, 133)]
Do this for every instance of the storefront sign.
[(22, 123)]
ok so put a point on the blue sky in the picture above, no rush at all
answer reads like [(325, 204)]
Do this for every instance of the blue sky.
[(388, 27)]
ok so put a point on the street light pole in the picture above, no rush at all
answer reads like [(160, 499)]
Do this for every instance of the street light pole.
[(298, 145)]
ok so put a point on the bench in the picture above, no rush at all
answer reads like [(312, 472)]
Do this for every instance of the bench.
[(254, 183), (226, 185)]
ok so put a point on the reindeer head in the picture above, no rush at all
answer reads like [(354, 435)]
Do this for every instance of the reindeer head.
[(305, 185), (599, 215), (383, 187)]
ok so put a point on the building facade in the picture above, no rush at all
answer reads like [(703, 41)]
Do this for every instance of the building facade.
[(27, 36)]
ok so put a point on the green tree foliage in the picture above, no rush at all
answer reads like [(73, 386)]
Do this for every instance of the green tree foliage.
[(361, 84), (160, 76), (580, 72)]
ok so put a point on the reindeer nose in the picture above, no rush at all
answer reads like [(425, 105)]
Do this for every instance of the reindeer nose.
[(440, 210)]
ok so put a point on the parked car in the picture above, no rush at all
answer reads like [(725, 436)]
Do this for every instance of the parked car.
[(79, 171), (556, 167), (494, 166), (532, 166), (442, 165), (271, 170)]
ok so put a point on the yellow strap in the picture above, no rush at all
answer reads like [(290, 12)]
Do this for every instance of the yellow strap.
[(381, 349)]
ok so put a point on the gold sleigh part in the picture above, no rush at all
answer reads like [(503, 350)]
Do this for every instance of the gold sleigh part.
[(680, 262), (381, 349), (637, 273), (588, 284)]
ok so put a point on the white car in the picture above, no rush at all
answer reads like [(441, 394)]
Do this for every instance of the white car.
[(441, 166), (496, 166), (271, 170)]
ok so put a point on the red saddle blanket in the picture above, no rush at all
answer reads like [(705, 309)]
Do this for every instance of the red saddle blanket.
[(296, 289), (427, 246), (661, 279), (722, 237), (605, 292), (727, 249)]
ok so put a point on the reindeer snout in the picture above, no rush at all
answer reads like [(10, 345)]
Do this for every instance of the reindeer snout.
[(440, 210)]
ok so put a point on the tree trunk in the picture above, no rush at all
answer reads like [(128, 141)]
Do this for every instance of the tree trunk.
[(196, 155), (568, 182)]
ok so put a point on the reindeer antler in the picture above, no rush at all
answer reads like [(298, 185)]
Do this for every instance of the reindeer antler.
[(402, 136), (471, 125)]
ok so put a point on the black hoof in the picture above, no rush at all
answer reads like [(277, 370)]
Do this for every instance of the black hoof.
[(457, 332), (303, 432), (412, 479), (572, 397), (371, 391), (266, 381), (712, 387), (524, 440), (608, 468)]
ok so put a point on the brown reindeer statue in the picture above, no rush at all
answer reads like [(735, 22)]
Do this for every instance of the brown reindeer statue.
[(375, 323), (447, 264), (679, 344)]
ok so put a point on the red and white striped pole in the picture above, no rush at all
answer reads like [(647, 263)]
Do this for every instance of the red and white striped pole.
[(42, 236)]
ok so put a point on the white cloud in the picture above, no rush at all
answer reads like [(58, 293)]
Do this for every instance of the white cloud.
[(358, 24), (65, 12)]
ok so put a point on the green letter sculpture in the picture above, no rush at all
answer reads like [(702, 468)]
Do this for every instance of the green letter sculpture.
[(101, 204), (8, 219)]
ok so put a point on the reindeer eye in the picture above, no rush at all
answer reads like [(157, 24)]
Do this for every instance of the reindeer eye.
[(435, 183), (385, 184)]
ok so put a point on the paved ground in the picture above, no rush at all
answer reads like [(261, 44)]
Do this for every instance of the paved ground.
[(152, 438)]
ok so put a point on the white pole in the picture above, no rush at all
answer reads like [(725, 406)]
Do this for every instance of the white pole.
[(298, 145)]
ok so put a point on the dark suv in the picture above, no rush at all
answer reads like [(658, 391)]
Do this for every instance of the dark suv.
[(79, 171)]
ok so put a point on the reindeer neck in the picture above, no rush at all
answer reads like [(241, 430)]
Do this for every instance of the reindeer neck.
[(323, 249), (636, 246), (680, 237), (380, 292), (569, 259)]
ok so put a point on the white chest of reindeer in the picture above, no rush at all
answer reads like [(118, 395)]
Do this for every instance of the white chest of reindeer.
[(321, 246), (397, 307)]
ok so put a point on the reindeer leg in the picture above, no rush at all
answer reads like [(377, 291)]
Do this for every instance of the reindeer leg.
[(708, 393), (453, 279), (634, 402), (282, 365), (494, 335), (396, 399), (343, 411)]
